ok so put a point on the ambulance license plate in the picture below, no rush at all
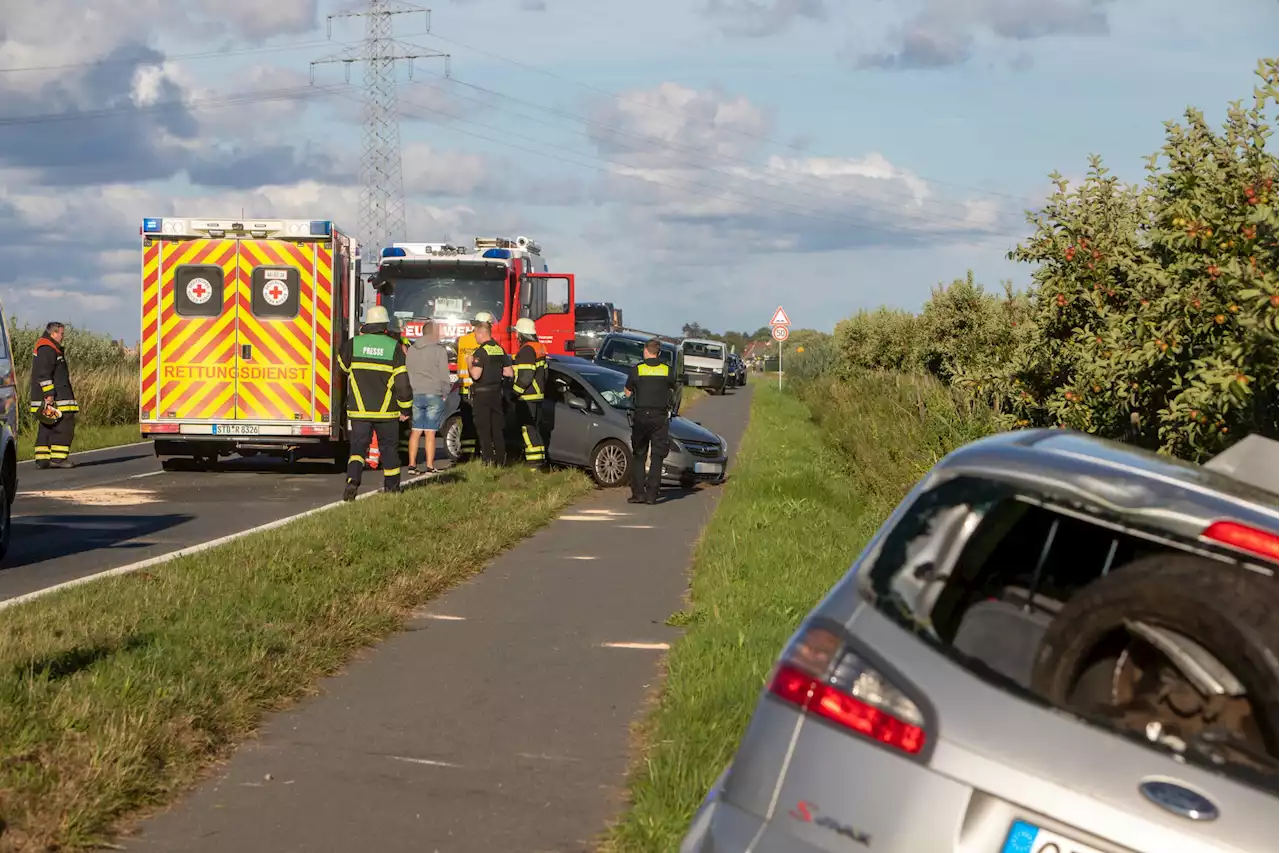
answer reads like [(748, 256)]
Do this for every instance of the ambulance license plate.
[(1028, 838), (237, 429)]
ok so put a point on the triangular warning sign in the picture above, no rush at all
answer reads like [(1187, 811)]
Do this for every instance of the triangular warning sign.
[(780, 318)]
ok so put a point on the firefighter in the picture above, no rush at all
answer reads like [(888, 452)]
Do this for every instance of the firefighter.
[(530, 369), (466, 346), (652, 387), (378, 398), (489, 371), (52, 400)]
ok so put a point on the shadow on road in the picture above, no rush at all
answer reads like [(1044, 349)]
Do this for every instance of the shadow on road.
[(37, 538)]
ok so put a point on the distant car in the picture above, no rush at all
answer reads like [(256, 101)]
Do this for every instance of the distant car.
[(737, 370), (1055, 644), (706, 364), (9, 402), (590, 428), (623, 350)]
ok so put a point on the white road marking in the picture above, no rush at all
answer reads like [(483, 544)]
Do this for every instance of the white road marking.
[(425, 761), (148, 474), (584, 518), (583, 558), (443, 618), (649, 646), (602, 512), (636, 526), (195, 549)]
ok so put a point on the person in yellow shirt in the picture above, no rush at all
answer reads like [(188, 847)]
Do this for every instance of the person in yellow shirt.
[(467, 345)]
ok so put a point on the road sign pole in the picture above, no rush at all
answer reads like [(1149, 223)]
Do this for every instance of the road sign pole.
[(779, 365)]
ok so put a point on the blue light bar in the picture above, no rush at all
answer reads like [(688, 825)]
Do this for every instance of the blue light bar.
[(152, 226), (394, 252), (320, 227), (497, 253)]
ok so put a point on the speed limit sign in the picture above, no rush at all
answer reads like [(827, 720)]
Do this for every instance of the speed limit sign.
[(780, 333)]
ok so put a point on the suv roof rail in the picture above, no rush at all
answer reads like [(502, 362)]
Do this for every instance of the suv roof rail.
[(1254, 459)]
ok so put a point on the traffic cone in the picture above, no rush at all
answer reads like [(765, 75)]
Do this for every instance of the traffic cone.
[(372, 457)]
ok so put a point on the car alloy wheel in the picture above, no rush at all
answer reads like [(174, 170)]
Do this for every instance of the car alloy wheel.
[(610, 464)]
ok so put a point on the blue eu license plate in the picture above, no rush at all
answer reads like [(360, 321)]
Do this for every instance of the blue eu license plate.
[(1028, 838)]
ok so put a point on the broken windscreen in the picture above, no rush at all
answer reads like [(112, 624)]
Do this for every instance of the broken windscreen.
[(444, 291)]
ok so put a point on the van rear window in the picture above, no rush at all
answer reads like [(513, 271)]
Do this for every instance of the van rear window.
[(197, 290)]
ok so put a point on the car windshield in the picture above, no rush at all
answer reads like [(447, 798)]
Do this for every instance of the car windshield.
[(627, 353), (611, 385), (701, 350), (425, 291), (592, 318)]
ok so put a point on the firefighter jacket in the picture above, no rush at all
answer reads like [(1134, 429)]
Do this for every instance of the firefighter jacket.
[(530, 367), (466, 345), (377, 379), (51, 378), (652, 384)]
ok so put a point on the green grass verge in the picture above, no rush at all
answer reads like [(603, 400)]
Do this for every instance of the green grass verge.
[(87, 438), (116, 695), (809, 486)]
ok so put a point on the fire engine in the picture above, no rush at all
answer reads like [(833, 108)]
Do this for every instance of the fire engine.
[(449, 285), (241, 321)]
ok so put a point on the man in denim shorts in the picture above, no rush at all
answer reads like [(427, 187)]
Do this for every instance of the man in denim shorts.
[(428, 364)]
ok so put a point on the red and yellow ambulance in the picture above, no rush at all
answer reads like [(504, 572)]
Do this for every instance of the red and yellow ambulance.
[(241, 322)]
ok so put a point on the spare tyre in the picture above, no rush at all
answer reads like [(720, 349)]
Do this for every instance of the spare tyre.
[(1108, 650)]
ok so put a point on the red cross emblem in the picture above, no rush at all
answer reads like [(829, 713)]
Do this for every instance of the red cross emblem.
[(199, 291), (276, 293)]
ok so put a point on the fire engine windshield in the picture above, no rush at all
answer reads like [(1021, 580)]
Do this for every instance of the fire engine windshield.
[(591, 317), (448, 291)]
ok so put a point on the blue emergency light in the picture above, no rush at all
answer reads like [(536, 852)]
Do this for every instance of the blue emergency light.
[(152, 226), (394, 252), (320, 227), (497, 253)]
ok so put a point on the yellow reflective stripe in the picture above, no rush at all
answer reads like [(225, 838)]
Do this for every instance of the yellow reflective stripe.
[(399, 370), (362, 415), (354, 458), (59, 447), (45, 385), (355, 389), (652, 369), (386, 398), (68, 407), (390, 472), (381, 368)]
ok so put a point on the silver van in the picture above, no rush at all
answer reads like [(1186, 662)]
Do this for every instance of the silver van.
[(706, 364)]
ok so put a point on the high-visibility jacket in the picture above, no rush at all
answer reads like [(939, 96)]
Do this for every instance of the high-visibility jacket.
[(51, 378), (466, 345), (530, 368), (377, 380)]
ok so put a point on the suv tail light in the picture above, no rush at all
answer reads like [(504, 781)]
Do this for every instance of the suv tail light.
[(819, 674), (1263, 543)]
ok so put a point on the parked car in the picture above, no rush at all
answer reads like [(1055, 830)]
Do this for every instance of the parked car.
[(590, 427), (737, 370), (705, 364), (10, 399), (624, 350), (1055, 644)]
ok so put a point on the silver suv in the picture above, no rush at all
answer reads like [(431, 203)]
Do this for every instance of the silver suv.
[(1056, 644)]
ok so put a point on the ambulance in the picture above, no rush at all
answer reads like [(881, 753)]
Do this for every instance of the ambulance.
[(241, 323)]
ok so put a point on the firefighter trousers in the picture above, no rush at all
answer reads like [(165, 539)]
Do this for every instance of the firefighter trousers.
[(486, 408), (650, 430), (53, 443), (388, 433), (529, 413), (467, 448)]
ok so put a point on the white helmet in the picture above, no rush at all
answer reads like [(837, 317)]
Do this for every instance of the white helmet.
[(524, 326), (484, 317), (377, 314)]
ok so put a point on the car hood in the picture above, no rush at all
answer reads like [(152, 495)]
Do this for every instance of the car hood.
[(684, 429)]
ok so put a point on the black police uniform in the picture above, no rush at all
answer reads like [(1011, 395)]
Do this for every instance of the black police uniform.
[(653, 385), (51, 378), (486, 402), (530, 367), (378, 392)]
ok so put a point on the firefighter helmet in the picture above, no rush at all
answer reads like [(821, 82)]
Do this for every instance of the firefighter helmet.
[(48, 415), (525, 327), (376, 314)]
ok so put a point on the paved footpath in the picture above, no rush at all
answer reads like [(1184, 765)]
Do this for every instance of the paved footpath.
[(498, 721)]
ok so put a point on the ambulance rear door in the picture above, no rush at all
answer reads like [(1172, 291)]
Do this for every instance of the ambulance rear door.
[(188, 352), (284, 331)]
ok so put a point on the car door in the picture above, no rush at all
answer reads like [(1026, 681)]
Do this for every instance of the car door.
[(571, 428)]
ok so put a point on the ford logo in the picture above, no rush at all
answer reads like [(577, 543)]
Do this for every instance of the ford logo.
[(1179, 800)]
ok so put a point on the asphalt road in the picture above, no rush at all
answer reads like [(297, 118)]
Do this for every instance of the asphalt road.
[(498, 721), (118, 506)]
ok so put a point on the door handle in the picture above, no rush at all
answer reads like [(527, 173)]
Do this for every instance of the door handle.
[(246, 351)]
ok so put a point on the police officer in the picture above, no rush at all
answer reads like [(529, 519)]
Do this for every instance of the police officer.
[(378, 398), (489, 370), (52, 400), (467, 344), (530, 367), (652, 387)]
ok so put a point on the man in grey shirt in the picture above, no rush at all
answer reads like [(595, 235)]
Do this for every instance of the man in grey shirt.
[(428, 365)]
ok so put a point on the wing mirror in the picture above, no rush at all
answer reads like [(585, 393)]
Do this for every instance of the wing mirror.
[(577, 403)]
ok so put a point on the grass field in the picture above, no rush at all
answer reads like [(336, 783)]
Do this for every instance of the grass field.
[(87, 438), (116, 695), (805, 494)]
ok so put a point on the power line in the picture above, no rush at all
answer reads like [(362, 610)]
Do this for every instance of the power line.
[(208, 54)]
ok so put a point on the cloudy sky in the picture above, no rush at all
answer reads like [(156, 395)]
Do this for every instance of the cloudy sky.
[(700, 160)]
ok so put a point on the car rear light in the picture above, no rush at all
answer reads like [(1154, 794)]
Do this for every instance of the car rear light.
[(153, 428), (1264, 543), (315, 429), (823, 677)]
